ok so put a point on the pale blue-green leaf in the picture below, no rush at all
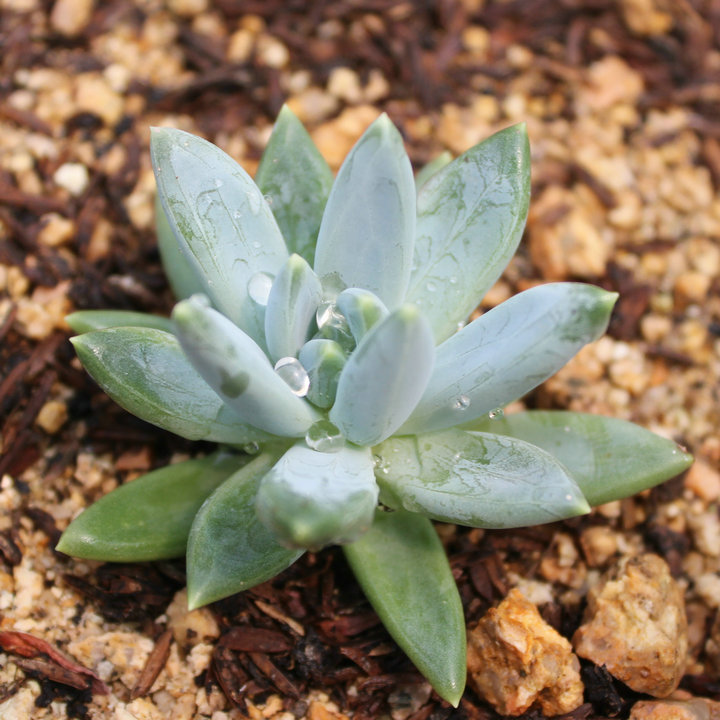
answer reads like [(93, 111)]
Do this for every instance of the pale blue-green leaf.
[(229, 549), (508, 351), (368, 230), (384, 378), (362, 310), (323, 361), (145, 371), (471, 215), (238, 370), (296, 180), (84, 321), (478, 479), (223, 225), (402, 568), (180, 272), (609, 458), (311, 499), (149, 518), (293, 300), (434, 166)]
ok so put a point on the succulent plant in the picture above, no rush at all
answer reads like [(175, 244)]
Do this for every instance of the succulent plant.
[(321, 340)]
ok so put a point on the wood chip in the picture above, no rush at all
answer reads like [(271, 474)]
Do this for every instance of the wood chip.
[(154, 664)]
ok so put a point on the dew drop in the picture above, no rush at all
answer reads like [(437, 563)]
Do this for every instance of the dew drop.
[(566, 428), (324, 313), (323, 436), (461, 325), (453, 280), (294, 375), (251, 448), (268, 199), (218, 182), (462, 402), (237, 215), (431, 287), (381, 464), (254, 202), (259, 287), (496, 413)]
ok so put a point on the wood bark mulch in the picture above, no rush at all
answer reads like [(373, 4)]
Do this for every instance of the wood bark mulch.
[(622, 101)]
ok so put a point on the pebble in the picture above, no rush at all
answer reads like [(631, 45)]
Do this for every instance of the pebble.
[(646, 17), (56, 230), (515, 659), (694, 709), (52, 416), (691, 287), (703, 480), (190, 627), (599, 543), (635, 626), (73, 177), (567, 244), (70, 17), (610, 80)]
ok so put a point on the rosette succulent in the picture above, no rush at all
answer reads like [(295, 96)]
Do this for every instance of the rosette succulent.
[(320, 339)]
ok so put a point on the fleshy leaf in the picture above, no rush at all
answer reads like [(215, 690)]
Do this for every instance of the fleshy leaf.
[(84, 321), (293, 300), (368, 230), (362, 310), (508, 351), (323, 361), (180, 273), (608, 458), (296, 181), (145, 371), (384, 378), (311, 499), (471, 215), (402, 567), (150, 517), (478, 479), (238, 371), (434, 166), (229, 549), (223, 225)]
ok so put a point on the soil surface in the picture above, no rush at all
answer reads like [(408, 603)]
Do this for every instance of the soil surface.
[(622, 103)]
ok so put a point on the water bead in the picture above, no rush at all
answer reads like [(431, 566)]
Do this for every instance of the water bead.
[(462, 402), (324, 436), (294, 375), (251, 448), (259, 287), (496, 413), (380, 464)]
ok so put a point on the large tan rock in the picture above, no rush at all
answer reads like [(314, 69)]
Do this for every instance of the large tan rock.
[(635, 625), (516, 659)]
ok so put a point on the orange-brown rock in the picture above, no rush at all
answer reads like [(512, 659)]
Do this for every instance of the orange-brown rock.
[(515, 659), (635, 625), (695, 709)]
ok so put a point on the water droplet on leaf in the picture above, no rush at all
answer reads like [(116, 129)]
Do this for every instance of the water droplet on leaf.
[(294, 375), (431, 287), (254, 202), (381, 464), (252, 448), (259, 287), (323, 436), (462, 402), (268, 199), (496, 413), (218, 182)]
